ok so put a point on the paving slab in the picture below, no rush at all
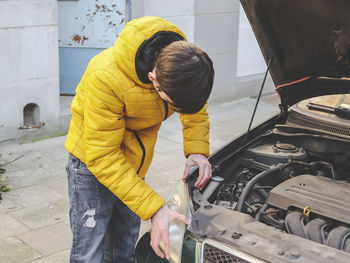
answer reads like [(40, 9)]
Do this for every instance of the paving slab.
[(7, 205), (172, 160), (26, 177), (45, 214), (61, 257), (49, 240), (216, 144), (177, 137), (10, 226), (20, 160), (54, 156), (13, 250), (164, 145), (33, 195), (57, 183)]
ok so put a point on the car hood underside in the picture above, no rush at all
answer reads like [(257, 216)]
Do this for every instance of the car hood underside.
[(308, 43)]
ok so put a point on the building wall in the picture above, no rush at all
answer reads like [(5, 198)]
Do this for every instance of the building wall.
[(213, 25), (180, 12), (28, 65), (216, 31), (85, 29), (29, 49), (251, 65), (219, 27), (250, 60), (222, 29)]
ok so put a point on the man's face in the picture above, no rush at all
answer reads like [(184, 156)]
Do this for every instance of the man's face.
[(153, 77)]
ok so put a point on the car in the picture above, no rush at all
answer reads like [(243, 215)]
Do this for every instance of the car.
[(280, 192)]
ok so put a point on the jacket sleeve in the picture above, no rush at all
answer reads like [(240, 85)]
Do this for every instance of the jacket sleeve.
[(195, 129), (104, 128)]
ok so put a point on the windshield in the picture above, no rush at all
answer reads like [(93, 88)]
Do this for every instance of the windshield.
[(334, 101)]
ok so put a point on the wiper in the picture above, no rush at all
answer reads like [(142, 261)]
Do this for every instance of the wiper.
[(340, 111)]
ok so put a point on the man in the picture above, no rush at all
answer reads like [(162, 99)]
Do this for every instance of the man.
[(120, 103)]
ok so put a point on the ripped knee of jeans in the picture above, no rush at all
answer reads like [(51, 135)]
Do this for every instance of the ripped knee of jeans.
[(90, 220)]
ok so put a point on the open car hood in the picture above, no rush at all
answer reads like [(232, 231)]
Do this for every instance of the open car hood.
[(308, 43)]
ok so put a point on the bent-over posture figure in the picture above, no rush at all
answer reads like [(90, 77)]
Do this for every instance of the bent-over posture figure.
[(127, 91)]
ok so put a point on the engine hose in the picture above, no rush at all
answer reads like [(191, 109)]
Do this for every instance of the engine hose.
[(277, 168), (260, 191), (256, 179), (334, 174), (259, 166), (261, 211)]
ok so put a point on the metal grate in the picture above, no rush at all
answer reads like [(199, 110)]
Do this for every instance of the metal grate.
[(215, 255), (301, 120)]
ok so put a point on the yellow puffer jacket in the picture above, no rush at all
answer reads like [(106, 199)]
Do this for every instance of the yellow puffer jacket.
[(116, 117)]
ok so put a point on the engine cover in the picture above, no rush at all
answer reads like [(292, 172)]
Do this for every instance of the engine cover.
[(325, 196)]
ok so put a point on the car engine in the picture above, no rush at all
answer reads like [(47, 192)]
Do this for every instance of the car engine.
[(298, 184)]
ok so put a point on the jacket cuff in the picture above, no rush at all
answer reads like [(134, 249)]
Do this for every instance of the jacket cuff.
[(198, 147), (149, 208)]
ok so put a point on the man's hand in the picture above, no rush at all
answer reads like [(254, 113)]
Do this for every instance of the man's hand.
[(160, 223), (204, 169)]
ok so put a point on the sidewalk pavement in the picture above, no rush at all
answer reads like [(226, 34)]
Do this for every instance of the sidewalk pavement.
[(34, 214)]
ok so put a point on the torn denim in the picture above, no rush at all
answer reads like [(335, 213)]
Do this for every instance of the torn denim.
[(104, 228)]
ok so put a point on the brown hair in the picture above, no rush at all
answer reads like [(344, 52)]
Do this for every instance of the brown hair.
[(185, 73)]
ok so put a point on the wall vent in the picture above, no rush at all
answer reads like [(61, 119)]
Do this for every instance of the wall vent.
[(31, 115)]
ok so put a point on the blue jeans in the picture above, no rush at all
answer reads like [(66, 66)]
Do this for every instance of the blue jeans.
[(104, 228)]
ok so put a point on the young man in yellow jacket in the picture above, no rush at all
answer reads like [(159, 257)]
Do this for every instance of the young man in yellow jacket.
[(120, 103)]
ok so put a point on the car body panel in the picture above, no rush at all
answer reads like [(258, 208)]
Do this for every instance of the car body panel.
[(240, 231), (263, 242)]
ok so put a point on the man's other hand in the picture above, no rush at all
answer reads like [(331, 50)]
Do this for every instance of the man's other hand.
[(204, 169), (160, 223)]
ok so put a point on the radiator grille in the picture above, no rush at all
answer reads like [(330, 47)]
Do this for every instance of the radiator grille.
[(301, 120), (215, 255)]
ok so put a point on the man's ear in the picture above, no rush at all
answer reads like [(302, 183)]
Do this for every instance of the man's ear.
[(152, 76)]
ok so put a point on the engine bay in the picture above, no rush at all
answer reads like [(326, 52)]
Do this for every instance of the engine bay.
[(297, 182)]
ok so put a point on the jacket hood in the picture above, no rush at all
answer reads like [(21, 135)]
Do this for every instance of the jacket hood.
[(139, 42), (308, 43)]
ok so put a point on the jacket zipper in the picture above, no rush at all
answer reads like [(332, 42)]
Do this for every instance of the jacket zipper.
[(139, 139), (143, 151), (166, 110)]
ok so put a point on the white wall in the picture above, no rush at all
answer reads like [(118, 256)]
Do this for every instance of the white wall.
[(213, 25), (216, 31), (180, 12), (251, 65), (250, 60), (28, 64)]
